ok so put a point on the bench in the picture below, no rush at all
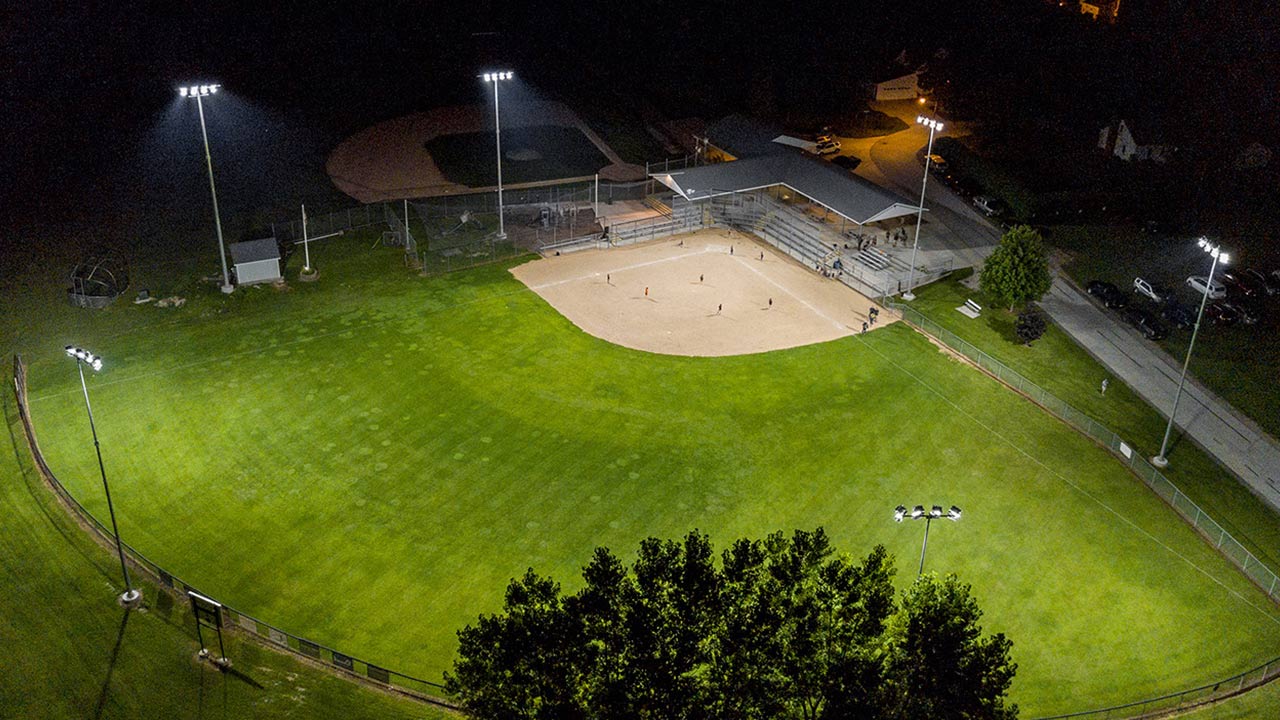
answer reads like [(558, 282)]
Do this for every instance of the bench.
[(970, 309)]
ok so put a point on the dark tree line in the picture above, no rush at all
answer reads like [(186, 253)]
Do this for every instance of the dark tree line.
[(779, 628)]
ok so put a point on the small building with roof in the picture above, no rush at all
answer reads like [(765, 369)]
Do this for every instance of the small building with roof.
[(256, 261)]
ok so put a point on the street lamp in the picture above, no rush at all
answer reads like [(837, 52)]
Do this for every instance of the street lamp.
[(495, 78), (900, 513), (83, 358), (934, 126), (1215, 251), (199, 92)]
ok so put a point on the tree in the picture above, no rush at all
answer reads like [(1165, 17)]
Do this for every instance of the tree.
[(1031, 324), (1018, 270), (936, 663), (782, 628)]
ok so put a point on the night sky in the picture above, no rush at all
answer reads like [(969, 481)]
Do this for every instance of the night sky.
[(95, 139)]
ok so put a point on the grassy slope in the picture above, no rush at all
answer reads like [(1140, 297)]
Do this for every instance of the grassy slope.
[(1059, 365), (71, 652), (1254, 705), (391, 452)]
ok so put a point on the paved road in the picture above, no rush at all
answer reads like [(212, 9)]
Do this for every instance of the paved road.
[(1233, 439), (953, 228)]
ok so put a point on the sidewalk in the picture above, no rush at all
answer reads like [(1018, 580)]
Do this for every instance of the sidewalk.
[(1234, 440)]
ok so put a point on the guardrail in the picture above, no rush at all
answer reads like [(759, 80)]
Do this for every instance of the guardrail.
[(348, 664)]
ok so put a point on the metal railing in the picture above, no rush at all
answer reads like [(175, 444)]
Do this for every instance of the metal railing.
[(330, 657)]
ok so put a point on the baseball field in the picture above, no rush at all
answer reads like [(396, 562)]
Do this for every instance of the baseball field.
[(367, 460)]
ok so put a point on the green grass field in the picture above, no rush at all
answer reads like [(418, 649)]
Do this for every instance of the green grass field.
[(563, 152), (368, 460), (71, 652)]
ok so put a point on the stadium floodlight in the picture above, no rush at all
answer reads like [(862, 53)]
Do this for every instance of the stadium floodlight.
[(83, 357), (918, 513), (935, 126), (496, 78), (1216, 252), (200, 92)]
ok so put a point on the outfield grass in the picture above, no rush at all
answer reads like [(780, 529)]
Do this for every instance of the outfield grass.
[(1058, 364), (71, 652), (368, 460), (565, 152)]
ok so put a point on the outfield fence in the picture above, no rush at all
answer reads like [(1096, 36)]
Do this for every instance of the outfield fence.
[(1193, 514), (231, 618)]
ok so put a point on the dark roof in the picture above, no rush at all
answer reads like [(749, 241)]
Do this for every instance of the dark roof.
[(744, 136), (254, 250), (849, 195)]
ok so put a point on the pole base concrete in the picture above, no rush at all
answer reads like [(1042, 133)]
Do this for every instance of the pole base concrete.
[(228, 289), (131, 598), (1160, 461), (908, 296)]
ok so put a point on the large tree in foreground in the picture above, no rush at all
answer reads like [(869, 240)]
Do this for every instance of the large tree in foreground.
[(1018, 270), (780, 628)]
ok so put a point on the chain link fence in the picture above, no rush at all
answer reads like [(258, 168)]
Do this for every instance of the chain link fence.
[(1209, 529), (231, 618)]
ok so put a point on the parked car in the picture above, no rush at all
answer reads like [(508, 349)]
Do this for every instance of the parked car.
[(1201, 285), (848, 162), (1110, 295), (1145, 322), (1247, 312), (990, 206), (967, 186), (938, 164), (1269, 284), (830, 147), (1239, 286), (1221, 314), (1155, 292), (1178, 315)]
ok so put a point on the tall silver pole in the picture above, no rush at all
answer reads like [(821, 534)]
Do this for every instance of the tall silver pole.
[(497, 136), (306, 246), (911, 273), (130, 595), (1160, 460), (217, 219), (927, 522)]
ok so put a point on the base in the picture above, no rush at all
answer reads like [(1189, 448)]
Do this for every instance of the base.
[(908, 295), (228, 289), (309, 275), (500, 236), (1160, 461), (130, 598)]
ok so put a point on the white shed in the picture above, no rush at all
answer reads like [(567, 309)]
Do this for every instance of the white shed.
[(256, 261), (902, 87)]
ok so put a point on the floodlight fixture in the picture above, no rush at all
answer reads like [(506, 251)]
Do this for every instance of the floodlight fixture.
[(1219, 256), (935, 126), (918, 513), (199, 92), (495, 78), (130, 596)]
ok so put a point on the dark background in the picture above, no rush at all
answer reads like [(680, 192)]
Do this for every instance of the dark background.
[(98, 147)]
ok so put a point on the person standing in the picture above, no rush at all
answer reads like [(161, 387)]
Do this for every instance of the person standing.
[(719, 308), (646, 291), (608, 279), (770, 302)]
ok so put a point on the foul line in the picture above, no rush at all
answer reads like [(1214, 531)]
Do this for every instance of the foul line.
[(1068, 481), (839, 325)]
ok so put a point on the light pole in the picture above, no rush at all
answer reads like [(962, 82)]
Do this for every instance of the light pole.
[(82, 358), (199, 92), (1215, 251), (934, 126), (918, 513), (495, 78)]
